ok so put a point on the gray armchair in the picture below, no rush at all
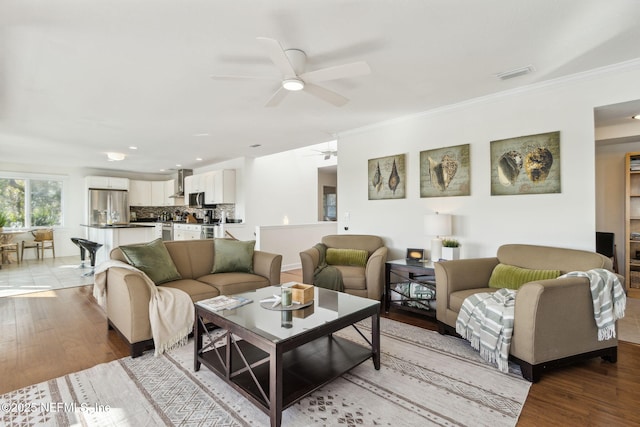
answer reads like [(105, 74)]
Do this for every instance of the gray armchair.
[(366, 281)]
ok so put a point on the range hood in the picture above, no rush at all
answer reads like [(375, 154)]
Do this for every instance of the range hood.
[(179, 185)]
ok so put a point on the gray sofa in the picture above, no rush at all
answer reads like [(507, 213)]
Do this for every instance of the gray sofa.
[(554, 321), (128, 296)]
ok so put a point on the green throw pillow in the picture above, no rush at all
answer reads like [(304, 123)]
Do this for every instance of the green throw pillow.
[(153, 259), (233, 256), (355, 257), (512, 277)]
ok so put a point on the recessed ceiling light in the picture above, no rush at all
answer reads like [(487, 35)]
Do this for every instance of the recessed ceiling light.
[(178, 166), (198, 159), (161, 170), (115, 157), (293, 84), (201, 134), (637, 117), (133, 147)]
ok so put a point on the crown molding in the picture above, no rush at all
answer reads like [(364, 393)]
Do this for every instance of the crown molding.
[(585, 75)]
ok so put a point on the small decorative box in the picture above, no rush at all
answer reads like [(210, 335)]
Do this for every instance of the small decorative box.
[(302, 293)]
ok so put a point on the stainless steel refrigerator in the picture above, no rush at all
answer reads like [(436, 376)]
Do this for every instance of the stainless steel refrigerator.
[(108, 207)]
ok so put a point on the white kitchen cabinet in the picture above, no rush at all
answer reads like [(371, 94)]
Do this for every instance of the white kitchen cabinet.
[(209, 185), (107, 182), (222, 187), (193, 184), (170, 190), (186, 231), (188, 185), (139, 193), (158, 195)]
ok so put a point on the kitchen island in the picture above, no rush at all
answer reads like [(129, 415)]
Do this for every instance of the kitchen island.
[(112, 236)]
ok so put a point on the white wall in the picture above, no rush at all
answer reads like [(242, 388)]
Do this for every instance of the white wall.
[(483, 222), (290, 240)]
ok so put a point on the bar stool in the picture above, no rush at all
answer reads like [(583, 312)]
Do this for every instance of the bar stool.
[(76, 241), (92, 248)]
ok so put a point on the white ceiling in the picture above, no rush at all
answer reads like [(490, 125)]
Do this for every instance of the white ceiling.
[(79, 78)]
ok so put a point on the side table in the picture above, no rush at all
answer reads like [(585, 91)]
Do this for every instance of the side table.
[(416, 272)]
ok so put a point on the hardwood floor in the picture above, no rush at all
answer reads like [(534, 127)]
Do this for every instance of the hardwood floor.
[(49, 334)]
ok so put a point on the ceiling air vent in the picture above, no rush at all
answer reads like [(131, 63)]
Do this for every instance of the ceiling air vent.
[(517, 72)]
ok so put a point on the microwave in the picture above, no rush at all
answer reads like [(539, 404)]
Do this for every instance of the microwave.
[(196, 200)]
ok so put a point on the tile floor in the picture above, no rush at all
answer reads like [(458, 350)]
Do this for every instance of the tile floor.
[(65, 272), (43, 275)]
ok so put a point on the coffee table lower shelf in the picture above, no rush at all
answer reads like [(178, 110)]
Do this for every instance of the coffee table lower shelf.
[(305, 368)]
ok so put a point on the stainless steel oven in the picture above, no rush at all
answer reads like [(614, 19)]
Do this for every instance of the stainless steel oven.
[(167, 231)]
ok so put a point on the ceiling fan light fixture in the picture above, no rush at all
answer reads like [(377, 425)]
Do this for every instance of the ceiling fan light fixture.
[(293, 84)]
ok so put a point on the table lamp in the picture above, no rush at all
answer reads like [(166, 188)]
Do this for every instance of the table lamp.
[(437, 225)]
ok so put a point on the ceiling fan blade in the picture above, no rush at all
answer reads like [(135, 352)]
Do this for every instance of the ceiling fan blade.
[(277, 98), (326, 95), (277, 55), (236, 77), (338, 72)]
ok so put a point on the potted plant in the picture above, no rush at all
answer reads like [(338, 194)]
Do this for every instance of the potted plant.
[(450, 249)]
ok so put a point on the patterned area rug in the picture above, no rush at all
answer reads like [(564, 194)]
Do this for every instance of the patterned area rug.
[(425, 379)]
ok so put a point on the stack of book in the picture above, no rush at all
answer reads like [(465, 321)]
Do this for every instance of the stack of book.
[(224, 302), (634, 164)]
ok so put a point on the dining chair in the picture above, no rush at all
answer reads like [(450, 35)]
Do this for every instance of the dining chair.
[(42, 239), (5, 250)]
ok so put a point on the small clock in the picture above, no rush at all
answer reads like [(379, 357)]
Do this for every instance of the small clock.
[(415, 254)]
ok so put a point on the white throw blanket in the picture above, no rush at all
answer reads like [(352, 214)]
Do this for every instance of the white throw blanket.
[(609, 299), (486, 320), (171, 311)]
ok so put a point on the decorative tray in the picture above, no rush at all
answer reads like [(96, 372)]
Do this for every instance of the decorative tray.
[(269, 306)]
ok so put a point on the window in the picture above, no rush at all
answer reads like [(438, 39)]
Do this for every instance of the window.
[(31, 202)]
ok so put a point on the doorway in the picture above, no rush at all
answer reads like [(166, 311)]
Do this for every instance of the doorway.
[(328, 193)]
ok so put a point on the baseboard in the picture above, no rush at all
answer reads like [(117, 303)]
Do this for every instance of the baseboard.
[(293, 266)]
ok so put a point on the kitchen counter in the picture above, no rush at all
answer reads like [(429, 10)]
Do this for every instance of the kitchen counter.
[(112, 236)]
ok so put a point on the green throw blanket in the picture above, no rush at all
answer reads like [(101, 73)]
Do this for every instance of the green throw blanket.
[(325, 275)]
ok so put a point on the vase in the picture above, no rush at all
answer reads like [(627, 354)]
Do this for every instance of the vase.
[(450, 253)]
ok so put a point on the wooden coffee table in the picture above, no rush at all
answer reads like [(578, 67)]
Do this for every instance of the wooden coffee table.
[(275, 358)]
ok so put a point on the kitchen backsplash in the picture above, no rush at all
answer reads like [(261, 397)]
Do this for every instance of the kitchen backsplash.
[(139, 212)]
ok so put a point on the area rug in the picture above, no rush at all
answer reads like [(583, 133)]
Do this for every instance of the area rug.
[(425, 379)]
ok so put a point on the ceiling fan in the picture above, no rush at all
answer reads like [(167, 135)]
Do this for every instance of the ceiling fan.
[(328, 153), (291, 64)]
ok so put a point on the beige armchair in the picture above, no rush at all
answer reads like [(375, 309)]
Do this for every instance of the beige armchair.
[(554, 322), (366, 281)]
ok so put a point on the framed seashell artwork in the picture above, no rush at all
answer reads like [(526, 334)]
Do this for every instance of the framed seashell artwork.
[(445, 172), (526, 164), (387, 177)]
